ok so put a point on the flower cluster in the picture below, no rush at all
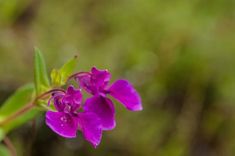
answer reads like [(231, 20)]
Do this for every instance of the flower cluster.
[(96, 113)]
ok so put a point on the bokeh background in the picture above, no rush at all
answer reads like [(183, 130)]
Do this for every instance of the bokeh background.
[(179, 54)]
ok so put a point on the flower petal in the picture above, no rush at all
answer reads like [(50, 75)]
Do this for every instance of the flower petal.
[(74, 94), (85, 83), (95, 81), (57, 99), (100, 77), (124, 92), (72, 98), (62, 124), (104, 109), (90, 127)]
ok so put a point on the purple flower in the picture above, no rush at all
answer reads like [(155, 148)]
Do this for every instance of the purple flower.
[(97, 113), (96, 82), (67, 119)]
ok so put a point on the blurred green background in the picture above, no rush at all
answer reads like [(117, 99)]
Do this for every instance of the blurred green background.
[(179, 54)]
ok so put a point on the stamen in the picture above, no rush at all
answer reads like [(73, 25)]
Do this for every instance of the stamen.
[(67, 108), (50, 92), (78, 74), (55, 96)]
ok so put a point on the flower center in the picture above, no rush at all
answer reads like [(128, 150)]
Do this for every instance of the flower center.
[(68, 108)]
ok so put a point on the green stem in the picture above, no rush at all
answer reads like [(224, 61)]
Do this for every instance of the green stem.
[(27, 107), (17, 113)]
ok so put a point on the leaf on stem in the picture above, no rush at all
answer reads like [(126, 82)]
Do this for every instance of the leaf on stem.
[(40, 73), (59, 77), (21, 98)]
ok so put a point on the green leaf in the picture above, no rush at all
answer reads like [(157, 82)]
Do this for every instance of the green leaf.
[(21, 119), (40, 73), (59, 77), (68, 68), (4, 151), (56, 78), (17, 101)]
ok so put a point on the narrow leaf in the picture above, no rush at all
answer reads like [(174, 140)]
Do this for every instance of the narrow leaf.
[(21, 120), (17, 101), (40, 73), (68, 68)]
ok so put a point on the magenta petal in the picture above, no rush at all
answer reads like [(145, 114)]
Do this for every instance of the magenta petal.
[(100, 77), (72, 99), (62, 124), (104, 109), (74, 95), (59, 105), (90, 127), (95, 81), (85, 83), (124, 92)]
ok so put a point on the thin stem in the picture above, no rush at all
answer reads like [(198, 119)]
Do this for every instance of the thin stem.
[(28, 107), (17, 113), (10, 146), (76, 74), (48, 92)]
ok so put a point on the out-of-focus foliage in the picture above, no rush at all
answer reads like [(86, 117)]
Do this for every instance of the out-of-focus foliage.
[(4, 151), (18, 100), (179, 54)]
